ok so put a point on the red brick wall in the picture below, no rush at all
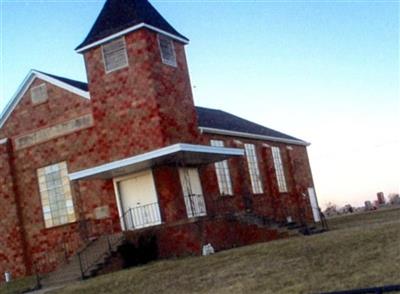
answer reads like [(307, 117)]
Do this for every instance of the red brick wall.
[(188, 238), (170, 195), (142, 107), (47, 247), (12, 257), (271, 203)]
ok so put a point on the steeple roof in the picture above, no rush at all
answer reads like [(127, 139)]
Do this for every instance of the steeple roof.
[(119, 17)]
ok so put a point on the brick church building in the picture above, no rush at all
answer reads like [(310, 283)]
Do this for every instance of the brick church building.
[(129, 153)]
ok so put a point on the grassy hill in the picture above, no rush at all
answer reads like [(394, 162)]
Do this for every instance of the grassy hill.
[(361, 250)]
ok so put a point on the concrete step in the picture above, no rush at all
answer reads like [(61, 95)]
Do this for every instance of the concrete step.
[(94, 255)]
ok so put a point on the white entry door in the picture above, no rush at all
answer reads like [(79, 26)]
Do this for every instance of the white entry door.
[(138, 199), (192, 192), (314, 204)]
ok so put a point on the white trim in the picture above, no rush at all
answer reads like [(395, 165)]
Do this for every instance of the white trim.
[(116, 182), (128, 30), (119, 206), (165, 61), (27, 82), (120, 67), (252, 136), (152, 155), (3, 141)]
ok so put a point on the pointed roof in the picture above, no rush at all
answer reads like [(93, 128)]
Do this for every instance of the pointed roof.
[(119, 17)]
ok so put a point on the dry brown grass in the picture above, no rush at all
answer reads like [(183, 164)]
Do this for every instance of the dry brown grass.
[(18, 286), (361, 251)]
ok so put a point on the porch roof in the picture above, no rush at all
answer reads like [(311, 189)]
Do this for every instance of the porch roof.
[(185, 154)]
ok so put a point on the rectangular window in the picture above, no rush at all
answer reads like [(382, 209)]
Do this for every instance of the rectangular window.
[(39, 94), (115, 55), (280, 174), (167, 50), (254, 170), (223, 174), (55, 192)]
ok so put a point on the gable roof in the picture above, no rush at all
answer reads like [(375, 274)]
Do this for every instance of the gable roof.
[(76, 87), (119, 17), (221, 122), (77, 84)]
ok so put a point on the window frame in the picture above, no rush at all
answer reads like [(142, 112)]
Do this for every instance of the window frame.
[(53, 203), (42, 85), (173, 63), (255, 175), (107, 71), (222, 172), (279, 169)]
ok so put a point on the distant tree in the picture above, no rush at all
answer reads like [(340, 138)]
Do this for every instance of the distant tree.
[(331, 209), (394, 198)]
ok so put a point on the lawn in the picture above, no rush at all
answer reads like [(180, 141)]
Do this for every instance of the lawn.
[(18, 286), (361, 250)]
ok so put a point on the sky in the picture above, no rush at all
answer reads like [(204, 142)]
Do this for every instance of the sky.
[(323, 71)]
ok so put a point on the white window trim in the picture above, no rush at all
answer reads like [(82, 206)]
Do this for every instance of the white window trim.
[(226, 174), (165, 61), (256, 181), (128, 30), (279, 169), (36, 87), (104, 59), (66, 198)]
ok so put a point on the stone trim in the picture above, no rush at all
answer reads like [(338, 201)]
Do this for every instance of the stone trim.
[(58, 130)]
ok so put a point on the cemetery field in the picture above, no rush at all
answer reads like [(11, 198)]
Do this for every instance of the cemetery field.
[(361, 250)]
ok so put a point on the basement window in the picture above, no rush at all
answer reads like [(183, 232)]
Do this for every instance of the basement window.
[(280, 174), (56, 196), (222, 171), (39, 94), (167, 50), (254, 170), (114, 55)]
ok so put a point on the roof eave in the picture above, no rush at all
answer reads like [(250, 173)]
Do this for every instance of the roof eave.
[(140, 159), (26, 83), (252, 136), (81, 49)]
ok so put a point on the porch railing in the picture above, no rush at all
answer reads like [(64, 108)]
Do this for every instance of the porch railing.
[(142, 216), (195, 205)]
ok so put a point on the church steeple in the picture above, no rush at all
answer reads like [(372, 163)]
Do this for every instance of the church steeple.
[(138, 79), (119, 17)]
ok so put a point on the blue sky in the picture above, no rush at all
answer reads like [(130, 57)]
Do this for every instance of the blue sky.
[(323, 71)]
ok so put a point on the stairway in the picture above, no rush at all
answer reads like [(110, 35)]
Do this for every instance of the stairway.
[(84, 264), (284, 229)]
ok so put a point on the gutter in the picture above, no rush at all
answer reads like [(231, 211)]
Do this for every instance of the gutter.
[(252, 136)]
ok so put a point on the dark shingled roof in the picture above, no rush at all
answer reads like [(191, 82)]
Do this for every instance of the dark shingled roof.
[(210, 118), (218, 119), (77, 84), (118, 15)]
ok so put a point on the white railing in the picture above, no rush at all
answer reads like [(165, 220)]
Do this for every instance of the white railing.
[(195, 205), (142, 216)]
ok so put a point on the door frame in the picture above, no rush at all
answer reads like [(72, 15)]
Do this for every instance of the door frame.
[(117, 193), (183, 190)]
